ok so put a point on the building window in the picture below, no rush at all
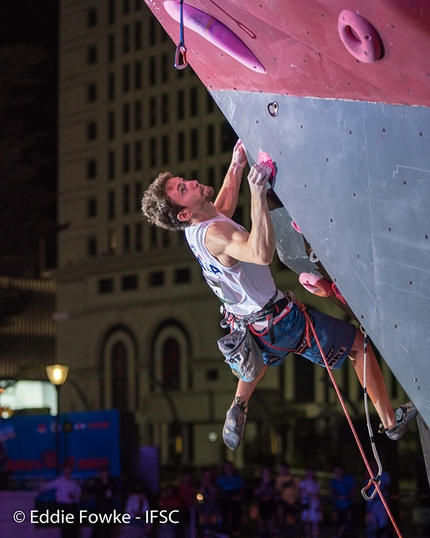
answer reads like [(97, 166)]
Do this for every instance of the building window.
[(126, 78), (165, 67), (92, 246), (126, 199), (152, 111), (105, 285), (129, 282), (111, 86), (153, 152), (111, 205), (111, 125), (156, 279), (137, 5), (228, 137), (152, 71), (138, 238), (91, 92), (126, 117), (304, 375), (194, 101), (137, 75), (210, 140), (126, 158), (182, 276), (165, 149), (111, 48), (91, 208), (138, 193), (171, 374), (126, 38), (91, 55), (120, 389), (112, 241), (212, 374), (138, 34), (126, 7), (126, 238), (180, 105), (194, 144), (137, 155), (91, 130), (181, 146), (111, 165), (111, 11), (210, 103), (91, 169), (152, 34), (165, 108), (137, 115), (211, 176)]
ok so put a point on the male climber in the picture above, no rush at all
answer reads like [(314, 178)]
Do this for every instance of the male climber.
[(235, 264)]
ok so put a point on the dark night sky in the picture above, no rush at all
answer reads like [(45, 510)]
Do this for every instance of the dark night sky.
[(35, 23)]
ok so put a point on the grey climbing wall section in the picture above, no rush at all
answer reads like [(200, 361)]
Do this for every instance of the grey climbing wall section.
[(355, 176)]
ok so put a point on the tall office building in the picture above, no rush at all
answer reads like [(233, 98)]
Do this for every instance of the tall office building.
[(137, 323)]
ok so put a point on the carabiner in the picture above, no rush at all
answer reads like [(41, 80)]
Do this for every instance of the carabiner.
[(181, 53)]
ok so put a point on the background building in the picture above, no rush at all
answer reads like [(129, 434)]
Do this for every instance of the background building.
[(137, 324)]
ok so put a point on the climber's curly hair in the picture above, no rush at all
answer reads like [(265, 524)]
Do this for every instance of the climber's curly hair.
[(157, 207)]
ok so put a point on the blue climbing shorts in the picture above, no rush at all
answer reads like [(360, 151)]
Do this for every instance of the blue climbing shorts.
[(336, 338)]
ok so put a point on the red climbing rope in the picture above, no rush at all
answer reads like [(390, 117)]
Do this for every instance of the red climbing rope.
[(309, 325)]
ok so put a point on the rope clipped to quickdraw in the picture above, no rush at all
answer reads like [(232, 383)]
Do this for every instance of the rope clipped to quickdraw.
[(351, 425), (377, 478), (181, 49)]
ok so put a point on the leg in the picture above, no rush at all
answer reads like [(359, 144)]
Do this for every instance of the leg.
[(245, 389), (236, 416), (374, 380)]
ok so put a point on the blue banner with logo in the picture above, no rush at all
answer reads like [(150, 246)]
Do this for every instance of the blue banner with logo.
[(89, 439)]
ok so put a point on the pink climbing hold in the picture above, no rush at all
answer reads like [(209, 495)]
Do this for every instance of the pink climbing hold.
[(264, 158), (296, 227), (359, 37)]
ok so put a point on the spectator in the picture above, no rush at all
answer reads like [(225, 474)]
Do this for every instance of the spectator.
[(170, 501), (310, 504), (231, 487), (67, 496), (288, 494), (187, 493), (137, 506), (207, 499), (104, 491), (342, 490), (265, 496)]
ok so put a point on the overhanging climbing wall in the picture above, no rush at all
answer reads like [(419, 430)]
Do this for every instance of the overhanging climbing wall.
[(351, 141)]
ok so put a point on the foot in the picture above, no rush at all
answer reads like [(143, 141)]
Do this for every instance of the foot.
[(234, 425), (404, 414)]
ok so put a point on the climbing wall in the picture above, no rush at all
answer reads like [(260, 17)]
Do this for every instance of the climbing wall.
[(340, 102)]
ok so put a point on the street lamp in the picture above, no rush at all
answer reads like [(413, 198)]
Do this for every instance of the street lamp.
[(57, 375)]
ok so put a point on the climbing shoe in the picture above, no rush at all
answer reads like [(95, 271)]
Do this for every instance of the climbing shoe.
[(404, 414), (234, 425)]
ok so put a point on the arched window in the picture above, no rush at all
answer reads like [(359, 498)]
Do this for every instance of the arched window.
[(120, 388), (118, 369), (171, 364)]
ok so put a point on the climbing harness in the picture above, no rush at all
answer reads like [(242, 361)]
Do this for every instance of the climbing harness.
[(181, 49)]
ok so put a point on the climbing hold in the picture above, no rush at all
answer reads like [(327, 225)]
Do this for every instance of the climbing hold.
[(313, 257), (215, 32), (359, 37), (296, 227), (265, 158), (273, 109)]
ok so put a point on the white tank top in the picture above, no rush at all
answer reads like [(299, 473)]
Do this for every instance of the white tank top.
[(243, 288)]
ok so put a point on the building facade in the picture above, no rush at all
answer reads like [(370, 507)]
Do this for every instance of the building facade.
[(137, 324)]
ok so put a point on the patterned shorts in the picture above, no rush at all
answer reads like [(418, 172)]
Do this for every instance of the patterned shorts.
[(336, 338)]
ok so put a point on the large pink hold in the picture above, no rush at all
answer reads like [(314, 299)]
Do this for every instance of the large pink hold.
[(215, 32)]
